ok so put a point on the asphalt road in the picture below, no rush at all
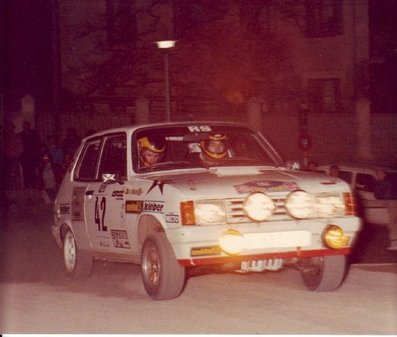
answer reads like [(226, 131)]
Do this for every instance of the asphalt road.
[(36, 296)]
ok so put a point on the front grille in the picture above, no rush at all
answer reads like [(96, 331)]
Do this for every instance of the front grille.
[(235, 212)]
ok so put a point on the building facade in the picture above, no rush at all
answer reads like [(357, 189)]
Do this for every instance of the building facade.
[(294, 69)]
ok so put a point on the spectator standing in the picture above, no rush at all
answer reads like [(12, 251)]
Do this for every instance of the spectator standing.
[(334, 171), (57, 159), (12, 150), (71, 142), (3, 195), (30, 155), (384, 189), (47, 180), (383, 186), (312, 166), (69, 145), (55, 150)]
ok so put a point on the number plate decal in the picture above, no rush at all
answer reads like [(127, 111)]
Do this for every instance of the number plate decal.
[(278, 239)]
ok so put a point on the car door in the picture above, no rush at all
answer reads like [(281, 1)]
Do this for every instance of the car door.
[(104, 202), (83, 176)]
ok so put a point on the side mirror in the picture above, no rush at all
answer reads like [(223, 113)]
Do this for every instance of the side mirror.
[(293, 165)]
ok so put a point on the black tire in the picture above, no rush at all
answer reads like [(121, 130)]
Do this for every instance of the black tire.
[(323, 273), (77, 264), (163, 277)]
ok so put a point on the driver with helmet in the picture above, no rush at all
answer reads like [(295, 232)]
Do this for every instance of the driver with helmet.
[(151, 150), (213, 149)]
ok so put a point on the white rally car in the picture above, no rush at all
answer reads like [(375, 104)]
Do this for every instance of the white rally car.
[(245, 210)]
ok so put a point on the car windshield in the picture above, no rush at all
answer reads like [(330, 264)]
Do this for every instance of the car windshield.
[(169, 148)]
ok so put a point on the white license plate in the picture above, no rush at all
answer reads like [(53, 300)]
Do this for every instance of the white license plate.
[(278, 239)]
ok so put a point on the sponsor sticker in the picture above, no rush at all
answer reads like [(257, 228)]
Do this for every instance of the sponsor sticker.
[(104, 244), (120, 239), (199, 128), (209, 250), (266, 186), (118, 194), (133, 206), (172, 217), (153, 206), (134, 191)]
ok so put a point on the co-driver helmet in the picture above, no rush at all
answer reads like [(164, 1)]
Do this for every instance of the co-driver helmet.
[(211, 154)]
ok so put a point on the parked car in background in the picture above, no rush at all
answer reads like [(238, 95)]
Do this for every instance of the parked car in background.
[(174, 196), (362, 179)]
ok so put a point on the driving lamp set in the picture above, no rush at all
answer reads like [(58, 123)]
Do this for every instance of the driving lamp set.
[(260, 207), (232, 242)]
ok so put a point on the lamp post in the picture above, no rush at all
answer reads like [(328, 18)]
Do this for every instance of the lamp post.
[(166, 44)]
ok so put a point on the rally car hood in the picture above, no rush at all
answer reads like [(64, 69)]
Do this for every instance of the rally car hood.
[(233, 181)]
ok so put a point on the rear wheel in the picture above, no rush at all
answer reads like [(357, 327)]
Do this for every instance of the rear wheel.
[(77, 264), (163, 277), (323, 273)]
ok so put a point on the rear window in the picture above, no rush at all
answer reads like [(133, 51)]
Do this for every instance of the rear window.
[(365, 182), (86, 165), (346, 176)]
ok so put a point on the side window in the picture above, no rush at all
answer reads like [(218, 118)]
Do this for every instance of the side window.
[(114, 156), (86, 165), (346, 176), (324, 18), (245, 146), (364, 182)]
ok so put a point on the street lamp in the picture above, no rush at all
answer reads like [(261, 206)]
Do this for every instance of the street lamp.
[(166, 44)]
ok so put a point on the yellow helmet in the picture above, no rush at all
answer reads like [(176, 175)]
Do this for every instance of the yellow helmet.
[(153, 144), (210, 152)]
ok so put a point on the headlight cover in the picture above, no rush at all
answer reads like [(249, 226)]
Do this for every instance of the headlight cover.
[(302, 205), (335, 238), (330, 205), (258, 206), (231, 242), (210, 212)]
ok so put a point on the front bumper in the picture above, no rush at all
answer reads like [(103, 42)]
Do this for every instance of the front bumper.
[(199, 245)]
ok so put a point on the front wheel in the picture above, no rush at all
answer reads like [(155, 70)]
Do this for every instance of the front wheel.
[(163, 277), (77, 264), (323, 273)]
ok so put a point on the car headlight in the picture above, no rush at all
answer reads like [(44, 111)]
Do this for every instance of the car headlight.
[(208, 212), (258, 206), (301, 205), (334, 237), (231, 242), (327, 206)]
